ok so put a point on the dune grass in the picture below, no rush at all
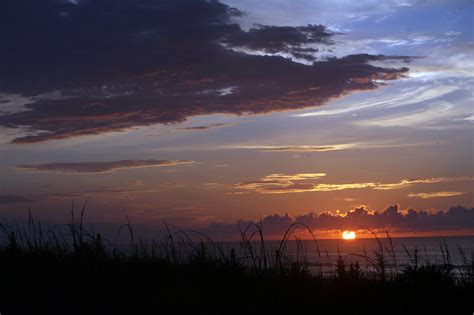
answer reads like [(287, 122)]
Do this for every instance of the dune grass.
[(72, 269)]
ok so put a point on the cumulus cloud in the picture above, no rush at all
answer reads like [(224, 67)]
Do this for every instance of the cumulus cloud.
[(98, 167), (392, 218), (436, 194), (299, 184), (123, 64), (10, 199)]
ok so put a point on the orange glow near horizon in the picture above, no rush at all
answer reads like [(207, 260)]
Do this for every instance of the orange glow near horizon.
[(348, 235)]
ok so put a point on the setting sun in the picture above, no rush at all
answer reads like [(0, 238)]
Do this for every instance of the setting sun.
[(348, 235)]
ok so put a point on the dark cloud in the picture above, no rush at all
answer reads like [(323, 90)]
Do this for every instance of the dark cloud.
[(205, 127), (98, 167), (9, 199), (277, 39), (121, 64), (392, 218)]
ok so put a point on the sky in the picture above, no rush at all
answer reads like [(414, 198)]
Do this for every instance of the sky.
[(336, 113)]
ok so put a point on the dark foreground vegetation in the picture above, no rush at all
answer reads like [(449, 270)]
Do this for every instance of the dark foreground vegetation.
[(74, 271)]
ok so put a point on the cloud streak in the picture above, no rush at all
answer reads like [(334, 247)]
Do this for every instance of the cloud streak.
[(297, 148), (436, 194), (302, 148), (278, 182), (299, 184), (205, 127), (99, 167), (402, 97)]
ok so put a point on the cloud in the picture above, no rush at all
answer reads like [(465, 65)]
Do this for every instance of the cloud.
[(277, 182), (98, 167), (401, 97), (299, 148), (436, 194), (9, 199), (156, 63), (437, 111), (296, 148), (392, 219), (283, 184), (278, 39), (205, 127), (432, 180)]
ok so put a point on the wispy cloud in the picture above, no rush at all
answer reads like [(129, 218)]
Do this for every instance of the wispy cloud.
[(436, 194), (279, 182), (296, 148), (293, 177), (436, 111), (432, 180), (205, 127), (401, 97), (99, 167), (283, 184), (322, 148)]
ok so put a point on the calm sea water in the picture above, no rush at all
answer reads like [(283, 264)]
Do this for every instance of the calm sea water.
[(429, 249), (457, 251), (397, 252)]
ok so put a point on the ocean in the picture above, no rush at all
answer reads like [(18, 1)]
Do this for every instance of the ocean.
[(323, 255)]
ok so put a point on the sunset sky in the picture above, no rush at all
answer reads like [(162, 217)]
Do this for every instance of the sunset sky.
[(205, 113)]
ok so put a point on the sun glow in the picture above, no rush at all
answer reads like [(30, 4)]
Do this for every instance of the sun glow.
[(348, 235)]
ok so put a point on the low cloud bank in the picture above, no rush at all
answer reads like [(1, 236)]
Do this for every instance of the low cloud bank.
[(392, 219)]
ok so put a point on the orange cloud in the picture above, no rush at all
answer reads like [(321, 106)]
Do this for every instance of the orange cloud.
[(436, 194), (282, 184), (298, 148), (277, 182)]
